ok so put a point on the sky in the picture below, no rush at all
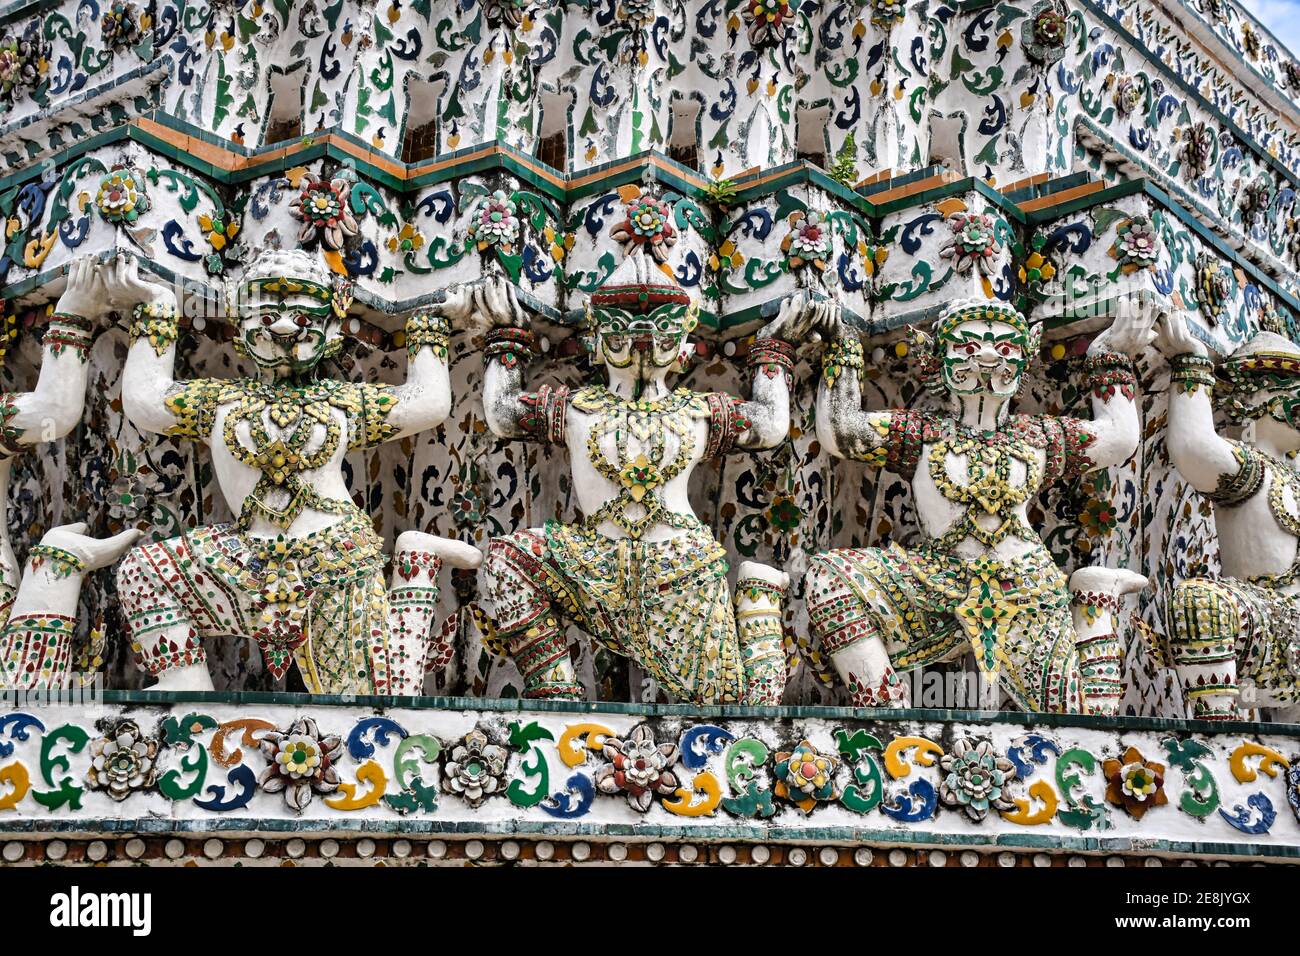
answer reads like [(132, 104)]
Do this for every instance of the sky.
[(1282, 17)]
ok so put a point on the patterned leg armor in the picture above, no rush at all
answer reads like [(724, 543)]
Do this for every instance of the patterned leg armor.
[(412, 601), (849, 631), (163, 634), (1203, 625), (1101, 653), (523, 623), (759, 595)]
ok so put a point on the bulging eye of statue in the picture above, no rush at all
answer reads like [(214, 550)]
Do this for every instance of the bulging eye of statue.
[(967, 349), (268, 319), (1008, 350)]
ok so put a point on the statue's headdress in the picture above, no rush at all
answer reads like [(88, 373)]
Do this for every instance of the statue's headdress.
[(641, 299), (1267, 362)]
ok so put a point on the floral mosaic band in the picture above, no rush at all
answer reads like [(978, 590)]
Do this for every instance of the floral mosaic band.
[(563, 771)]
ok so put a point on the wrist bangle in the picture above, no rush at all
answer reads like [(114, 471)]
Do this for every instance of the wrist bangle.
[(840, 355), (68, 332), (63, 563), (1190, 371), (1109, 372), (156, 323), (427, 329), (773, 357), (511, 345)]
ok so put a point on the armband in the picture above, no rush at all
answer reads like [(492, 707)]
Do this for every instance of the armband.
[(1109, 372), (511, 345), (156, 323), (1190, 371)]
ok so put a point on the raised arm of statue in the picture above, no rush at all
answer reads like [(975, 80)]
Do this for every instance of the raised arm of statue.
[(1202, 456), (844, 428), (1112, 384), (771, 361), (54, 407), (423, 401), (509, 345), (147, 380)]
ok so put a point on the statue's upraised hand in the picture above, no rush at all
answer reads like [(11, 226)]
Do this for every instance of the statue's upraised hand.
[(125, 287), (84, 294)]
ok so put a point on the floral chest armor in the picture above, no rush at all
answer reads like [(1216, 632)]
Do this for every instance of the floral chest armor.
[(642, 462), (291, 429), (989, 490)]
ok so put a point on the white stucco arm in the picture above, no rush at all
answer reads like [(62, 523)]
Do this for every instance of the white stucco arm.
[(844, 428), (1202, 456), (1112, 381), (53, 408), (424, 399), (147, 377)]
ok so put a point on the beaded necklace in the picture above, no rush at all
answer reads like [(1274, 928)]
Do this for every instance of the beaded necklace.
[(988, 489), (640, 478)]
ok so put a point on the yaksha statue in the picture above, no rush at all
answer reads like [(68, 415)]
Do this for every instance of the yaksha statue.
[(39, 614), (1243, 629), (301, 570), (981, 579), (639, 572)]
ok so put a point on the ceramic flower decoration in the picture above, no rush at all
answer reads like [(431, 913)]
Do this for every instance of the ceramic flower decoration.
[(123, 761), (974, 244), (976, 778), (1135, 784), (120, 26), (476, 768), (493, 222), (301, 762), (805, 776), (769, 21), (1137, 246), (121, 198), (1045, 31), (637, 13), (638, 767), (886, 13), (24, 60), (1197, 150), (323, 207), (648, 225), (1130, 92), (808, 242)]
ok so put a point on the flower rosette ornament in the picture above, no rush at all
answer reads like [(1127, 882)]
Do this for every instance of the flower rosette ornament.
[(121, 198), (974, 244), (23, 61), (976, 778), (648, 225), (1136, 246), (808, 242), (1197, 150), (638, 768), (407, 239), (301, 762), (1130, 93), (123, 762), (475, 768), (1134, 784), (119, 26), (493, 221), (506, 13), (885, 13), (768, 21), (323, 207), (806, 777), (638, 14), (1044, 32)]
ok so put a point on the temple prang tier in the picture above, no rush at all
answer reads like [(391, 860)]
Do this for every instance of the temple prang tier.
[(768, 433)]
